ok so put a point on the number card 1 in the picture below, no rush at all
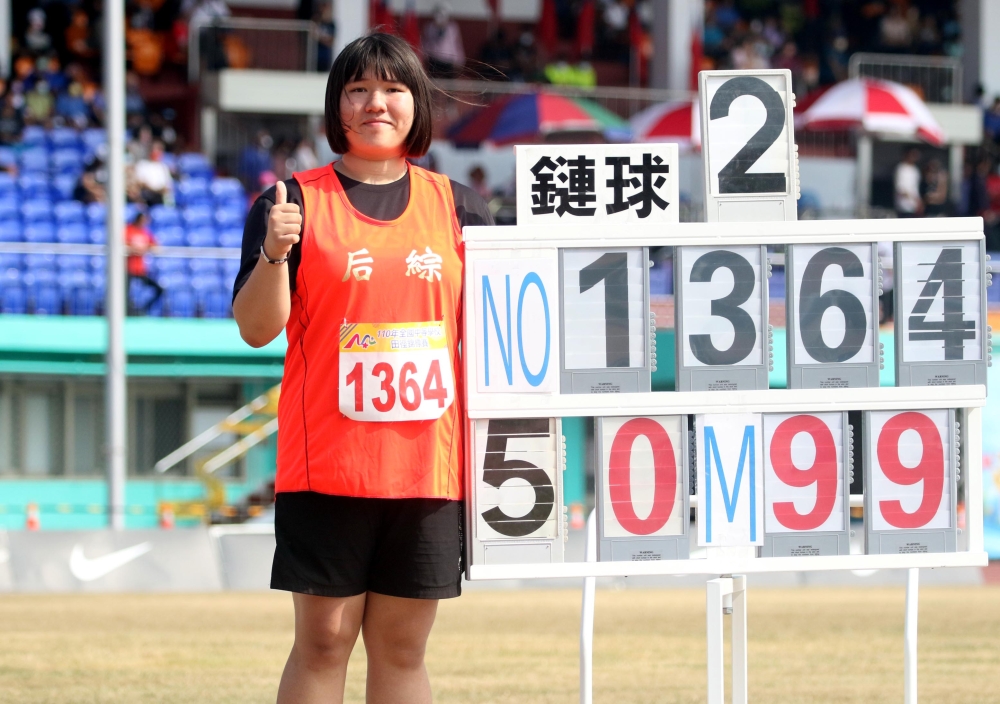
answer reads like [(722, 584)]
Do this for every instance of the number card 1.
[(807, 469), (831, 303), (721, 318), (751, 166), (642, 488), (607, 343), (911, 481), (940, 309), (517, 491)]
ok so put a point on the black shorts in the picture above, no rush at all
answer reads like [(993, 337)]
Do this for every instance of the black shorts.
[(343, 546)]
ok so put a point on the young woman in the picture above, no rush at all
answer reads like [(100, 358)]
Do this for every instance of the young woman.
[(361, 262)]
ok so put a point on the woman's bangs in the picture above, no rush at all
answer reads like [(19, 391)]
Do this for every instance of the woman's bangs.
[(381, 65)]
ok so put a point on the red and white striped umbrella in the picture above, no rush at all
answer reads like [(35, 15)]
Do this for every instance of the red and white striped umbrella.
[(678, 121), (875, 106)]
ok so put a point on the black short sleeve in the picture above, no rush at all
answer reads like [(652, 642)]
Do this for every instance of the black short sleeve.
[(255, 230), (470, 207)]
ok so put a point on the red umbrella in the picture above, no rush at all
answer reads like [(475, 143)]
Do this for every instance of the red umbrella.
[(547, 30), (381, 16), (585, 29), (411, 27), (678, 121)]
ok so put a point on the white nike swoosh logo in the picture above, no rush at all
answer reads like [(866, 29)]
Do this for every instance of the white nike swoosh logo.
[(87, 570)]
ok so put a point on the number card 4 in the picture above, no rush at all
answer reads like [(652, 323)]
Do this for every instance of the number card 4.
[(807, 460), (517, 491), (730, 479), (911, 481), (642, 488)]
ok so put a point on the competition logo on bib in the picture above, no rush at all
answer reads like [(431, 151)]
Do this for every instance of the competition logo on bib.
[(394, 371)]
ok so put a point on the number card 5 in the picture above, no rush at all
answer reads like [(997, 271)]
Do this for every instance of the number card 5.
[(642, 488), (911, 480), (806, 485), (516, 491)]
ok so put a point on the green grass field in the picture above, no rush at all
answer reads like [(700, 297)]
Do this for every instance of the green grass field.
[(806, 645)]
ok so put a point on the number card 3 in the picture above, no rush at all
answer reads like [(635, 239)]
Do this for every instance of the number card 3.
[(642, 488), (730, 480), (806, 485), (605, 320), (911, 481), (516, 491), (721, 299), (940, 308), (394, 371), (748, 145), (832, 316)]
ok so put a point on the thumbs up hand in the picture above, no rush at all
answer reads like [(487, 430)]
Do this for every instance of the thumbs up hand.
[(284, 225)]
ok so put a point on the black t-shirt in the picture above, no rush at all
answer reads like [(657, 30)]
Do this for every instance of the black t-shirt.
[(384, 201)]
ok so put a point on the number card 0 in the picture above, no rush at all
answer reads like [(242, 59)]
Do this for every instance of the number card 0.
[(605, 320), (807, 460), (751, 170), (832, 316), (642, 488), (517, 491), (721, 318), (940, 309), (911, 481)]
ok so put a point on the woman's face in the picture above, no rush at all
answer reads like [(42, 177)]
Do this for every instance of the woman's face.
[(377, 116)]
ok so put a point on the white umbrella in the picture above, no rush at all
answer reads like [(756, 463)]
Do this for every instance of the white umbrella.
[(675, 121)]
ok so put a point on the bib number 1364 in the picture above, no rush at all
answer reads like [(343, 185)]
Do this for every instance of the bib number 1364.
[(394, 371)]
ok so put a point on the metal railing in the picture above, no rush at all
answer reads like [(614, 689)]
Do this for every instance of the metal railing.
[(938, 79), (245, 42)]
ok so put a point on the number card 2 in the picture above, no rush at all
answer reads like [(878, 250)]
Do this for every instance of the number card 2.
[(730, 479), (642, 488), (605, 320), (806, 484), (832, 316), (940, 309), (911, 481), (517, 315), (721, 318), (516, 495), (751, 170)]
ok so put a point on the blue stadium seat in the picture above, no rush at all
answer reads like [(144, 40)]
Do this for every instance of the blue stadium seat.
[(201, 237), (8, 157), (73, 233), (93, 138), (98, 263), (13, 300), (34, 186), (174, 279), (39, 261), (11, 261), (10, 276), (46, 300), (97, 235), (70, 212), (40, 277), (8, 184), (131, 210), (98, 282), (232, 237), (36, 210), (172, 265), (73, 262), (196, 216), (227, 189), (192, 191), (66, 161), (64, 138), (205, 283), (776, 285), (217, 304), (33, 135), (10, 208), (83, 301), (64, 185), (139, 294), (96, 213), (41, 232), (34, 160), (170, 236), (69, 281), (230, 268), (180, 303), (229, 217), (164, 216), (194, 164), (200, 267), (10, 230)]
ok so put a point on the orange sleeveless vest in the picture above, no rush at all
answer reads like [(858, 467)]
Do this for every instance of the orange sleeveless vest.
[(354, 270)]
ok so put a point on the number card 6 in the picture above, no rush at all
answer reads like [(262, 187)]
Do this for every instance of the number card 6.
[(911, 480)]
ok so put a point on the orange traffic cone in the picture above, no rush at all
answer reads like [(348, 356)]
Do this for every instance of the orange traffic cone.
[(576, 519), (32, 522), (166, 515)]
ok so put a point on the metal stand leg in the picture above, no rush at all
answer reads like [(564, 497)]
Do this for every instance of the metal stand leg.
[(587, 617), (728, 593), (910, 636)]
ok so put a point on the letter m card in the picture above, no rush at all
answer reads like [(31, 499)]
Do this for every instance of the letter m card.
[(730, 479)]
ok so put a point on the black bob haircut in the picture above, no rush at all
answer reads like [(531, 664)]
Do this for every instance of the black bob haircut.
[(387, 58)]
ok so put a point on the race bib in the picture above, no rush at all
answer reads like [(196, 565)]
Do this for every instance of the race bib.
[(394, 371)]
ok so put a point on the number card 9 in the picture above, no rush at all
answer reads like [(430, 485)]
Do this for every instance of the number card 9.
[(721, 319), (642, 488), (605, 320), (807, 459), (940, 309), (748, 145), (911, 481), (516, 491), (832, 316)]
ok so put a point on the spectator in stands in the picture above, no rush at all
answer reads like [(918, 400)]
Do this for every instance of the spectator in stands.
[(93, 183), (477, 182), (442, 45), (896, 30), (991, 120), (495, 57), (153, 176), (203, 16), (326, 32), (255, 159), (71, 106), (524, 65), (39, 103), (935, 189), (304, 156), (134, 103), (79, 41), (909, 204), (11, 123), (139, 241), (35, 37)]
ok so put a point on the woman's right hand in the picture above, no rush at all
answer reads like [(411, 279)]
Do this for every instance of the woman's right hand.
[(284, 225)]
